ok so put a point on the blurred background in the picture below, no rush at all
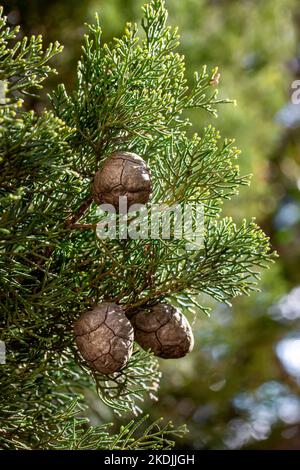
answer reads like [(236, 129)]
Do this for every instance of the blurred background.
[(240, 388)]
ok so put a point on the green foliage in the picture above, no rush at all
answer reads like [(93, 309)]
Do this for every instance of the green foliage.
[(124, 390), (131, 94), (24, 65)]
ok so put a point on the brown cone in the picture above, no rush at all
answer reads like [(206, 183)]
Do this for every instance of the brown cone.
[(123, 174), (104, 337), (164, 330)]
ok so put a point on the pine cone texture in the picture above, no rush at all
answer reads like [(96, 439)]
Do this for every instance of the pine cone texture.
[(164, 330), (104, 337), (123, 174)]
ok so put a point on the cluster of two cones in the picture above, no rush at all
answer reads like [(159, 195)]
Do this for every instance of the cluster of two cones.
[(105, 336)]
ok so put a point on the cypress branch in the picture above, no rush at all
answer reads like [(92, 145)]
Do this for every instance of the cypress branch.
[(130, 94)]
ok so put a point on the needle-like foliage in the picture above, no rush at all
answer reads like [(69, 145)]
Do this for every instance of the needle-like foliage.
[(130, 95)]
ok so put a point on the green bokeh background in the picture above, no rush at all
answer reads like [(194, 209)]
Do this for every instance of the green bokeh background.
[(240, 386)]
